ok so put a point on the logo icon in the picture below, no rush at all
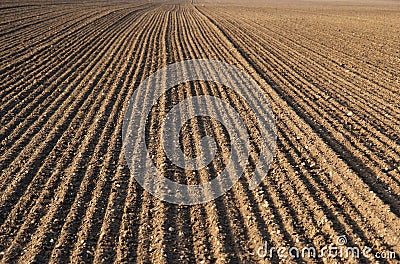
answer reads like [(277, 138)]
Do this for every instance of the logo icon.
[(151, 97), (342, 240)]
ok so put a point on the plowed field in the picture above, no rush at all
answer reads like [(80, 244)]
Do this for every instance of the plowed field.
[(329, 71)]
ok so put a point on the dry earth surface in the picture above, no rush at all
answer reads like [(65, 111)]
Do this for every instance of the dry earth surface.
[(329, 70)]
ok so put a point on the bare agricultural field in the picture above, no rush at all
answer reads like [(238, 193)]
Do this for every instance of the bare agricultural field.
[(329, 70)]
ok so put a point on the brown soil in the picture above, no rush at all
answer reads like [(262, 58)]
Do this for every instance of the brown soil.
[(331, 73)]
